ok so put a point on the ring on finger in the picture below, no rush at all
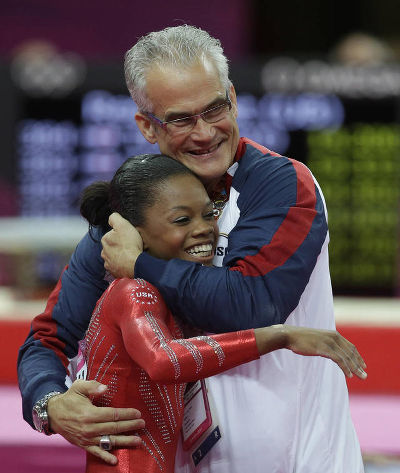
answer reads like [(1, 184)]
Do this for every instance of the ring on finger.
[(105, 442)]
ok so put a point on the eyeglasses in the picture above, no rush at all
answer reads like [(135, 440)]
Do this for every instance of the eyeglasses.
[(186, 124)]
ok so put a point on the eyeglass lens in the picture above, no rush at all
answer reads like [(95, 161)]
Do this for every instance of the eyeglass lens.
[(210, 116)]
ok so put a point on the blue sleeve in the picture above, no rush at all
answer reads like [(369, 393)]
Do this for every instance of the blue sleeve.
[(53, 339), (272, 252)]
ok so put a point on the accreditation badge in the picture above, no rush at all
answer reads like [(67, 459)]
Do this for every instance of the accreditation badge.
[(200, 429)]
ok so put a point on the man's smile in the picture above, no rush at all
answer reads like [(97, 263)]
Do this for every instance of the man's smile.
[(205, 152)]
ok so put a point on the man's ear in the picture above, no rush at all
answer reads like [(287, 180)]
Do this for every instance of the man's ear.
[(146, 127), (232, 96)]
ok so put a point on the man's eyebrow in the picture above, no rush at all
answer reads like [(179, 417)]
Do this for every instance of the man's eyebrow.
[(175, 115)]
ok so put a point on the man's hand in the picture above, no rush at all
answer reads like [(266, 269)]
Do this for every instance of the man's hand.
[(73, 416), (121, 247)]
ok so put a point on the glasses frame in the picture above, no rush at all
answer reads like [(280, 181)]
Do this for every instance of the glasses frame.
[(163, 124)]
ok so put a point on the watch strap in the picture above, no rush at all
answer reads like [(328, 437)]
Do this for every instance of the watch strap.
[(39, 413)]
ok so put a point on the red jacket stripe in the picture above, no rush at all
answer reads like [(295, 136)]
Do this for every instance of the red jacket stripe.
[(291, 233), (45, 328), (242, 148)]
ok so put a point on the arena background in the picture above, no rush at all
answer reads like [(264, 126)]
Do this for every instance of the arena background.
[(319, 82)]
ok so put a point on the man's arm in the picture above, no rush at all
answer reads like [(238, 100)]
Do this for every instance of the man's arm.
[(53, 340)]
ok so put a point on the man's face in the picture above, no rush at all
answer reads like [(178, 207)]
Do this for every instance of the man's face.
[(209, 148)]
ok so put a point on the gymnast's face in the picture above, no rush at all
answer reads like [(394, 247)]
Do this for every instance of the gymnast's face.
[(181, 223)]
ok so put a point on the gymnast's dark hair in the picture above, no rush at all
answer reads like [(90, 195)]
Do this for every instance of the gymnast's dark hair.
[(133, 188)]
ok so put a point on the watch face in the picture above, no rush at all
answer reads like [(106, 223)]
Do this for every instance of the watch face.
[(37, 421)]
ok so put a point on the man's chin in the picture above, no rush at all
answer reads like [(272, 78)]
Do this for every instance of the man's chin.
[(208, 170)]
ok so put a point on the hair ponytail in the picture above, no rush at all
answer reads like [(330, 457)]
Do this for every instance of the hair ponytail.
[(95, 204)]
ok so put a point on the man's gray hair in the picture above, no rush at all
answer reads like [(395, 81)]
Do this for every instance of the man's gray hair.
[(177, 46)]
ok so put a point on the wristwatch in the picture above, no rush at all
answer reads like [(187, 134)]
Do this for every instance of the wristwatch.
[(39, 413)]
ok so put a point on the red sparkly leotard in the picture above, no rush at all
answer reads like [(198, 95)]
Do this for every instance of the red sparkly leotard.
[(135, 347)]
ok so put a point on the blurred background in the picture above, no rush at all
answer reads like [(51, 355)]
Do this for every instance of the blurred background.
[(316, 81)]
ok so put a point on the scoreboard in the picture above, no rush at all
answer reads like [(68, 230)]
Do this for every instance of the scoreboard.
[(357, 167)]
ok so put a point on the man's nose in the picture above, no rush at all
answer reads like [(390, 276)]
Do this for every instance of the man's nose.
[(202, 129)]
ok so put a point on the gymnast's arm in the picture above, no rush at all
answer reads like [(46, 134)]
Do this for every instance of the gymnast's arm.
[(144, 321)]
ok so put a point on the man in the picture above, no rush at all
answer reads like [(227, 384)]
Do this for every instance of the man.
[(282, 414)]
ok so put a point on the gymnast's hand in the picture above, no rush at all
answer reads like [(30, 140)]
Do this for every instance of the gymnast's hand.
[(312, 342), (329, 344), (73, 416), (121, 246)]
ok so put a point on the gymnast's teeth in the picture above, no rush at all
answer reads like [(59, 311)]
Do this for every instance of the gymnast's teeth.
[(200, 250)]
